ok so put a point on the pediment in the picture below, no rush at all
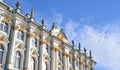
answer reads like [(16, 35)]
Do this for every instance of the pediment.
[(59, 33)]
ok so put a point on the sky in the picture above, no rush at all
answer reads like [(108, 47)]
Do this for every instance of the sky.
[(93, 23)]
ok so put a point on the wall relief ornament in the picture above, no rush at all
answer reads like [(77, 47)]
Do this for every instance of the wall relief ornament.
[(29, 35), (22, 28), (3, 39), (34, 53), (20, 46), (15, 27), (6, 19)]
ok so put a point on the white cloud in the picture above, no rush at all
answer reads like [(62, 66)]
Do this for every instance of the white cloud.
[(58, 18), (104, 42)]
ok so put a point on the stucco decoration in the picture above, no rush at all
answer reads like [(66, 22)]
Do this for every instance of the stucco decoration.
[(20, 46), (3, 39), (29, 35), (15, 27), (6, 19), (22, 27), (47, 58), (34, 53), (35, 34)]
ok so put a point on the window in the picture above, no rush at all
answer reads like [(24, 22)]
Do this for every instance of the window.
[(20, 34), (83, 66), (46, 66), (1, 53), (4, 26), (1, 26), (59, 68), (17, 60), (69, 59), (34, 42), (32, 67), (47, 48), (59, 54), (77, 64)]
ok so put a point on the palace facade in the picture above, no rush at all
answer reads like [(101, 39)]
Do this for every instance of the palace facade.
[(26, 45)]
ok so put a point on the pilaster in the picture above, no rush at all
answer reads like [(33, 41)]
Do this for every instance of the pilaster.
[(12, 49), (53, 58), (27, 58), (41, 55)]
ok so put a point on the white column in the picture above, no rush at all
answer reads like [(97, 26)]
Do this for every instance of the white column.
[(41, 55), (27, 58), (53, 57), (12, 48), (67, 63), (64, 63)]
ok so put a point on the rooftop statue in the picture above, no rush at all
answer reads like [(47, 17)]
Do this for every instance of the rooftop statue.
[(43, 22), (32, 13), (18, 5)]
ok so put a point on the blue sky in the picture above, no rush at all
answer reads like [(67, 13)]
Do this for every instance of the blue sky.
[(94, 23)]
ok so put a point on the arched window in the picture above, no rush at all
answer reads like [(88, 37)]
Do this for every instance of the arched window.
[(32, 67), (17, 60), (34, 42), (4, 26), (1, 53), (20, 35)]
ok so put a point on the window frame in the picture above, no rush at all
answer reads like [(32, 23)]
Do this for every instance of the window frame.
[(20, 35), (34, 42), (4, 25), (33, 62), (1, 50), (18, 56)]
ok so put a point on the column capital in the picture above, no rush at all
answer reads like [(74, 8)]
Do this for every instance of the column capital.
[(9, 62), (22, 28), (29, 35), (15, 27), (54, 48), (81, 62), (87, 65), (26, 69), (66, 54), (75, 59)]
